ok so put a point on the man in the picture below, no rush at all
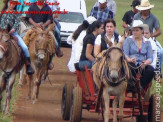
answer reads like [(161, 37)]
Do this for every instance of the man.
[(110, 4), (101, 12), (148, 18), (57, 27), (129, 15)]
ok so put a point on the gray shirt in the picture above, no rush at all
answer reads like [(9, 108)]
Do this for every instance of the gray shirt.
[(151, 21)]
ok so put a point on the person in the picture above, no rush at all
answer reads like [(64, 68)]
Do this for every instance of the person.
[(138, 53), (24, 7), (76, 40), (57, 27), (87, 58), (101, 12), (146, 16), (129, 15), (147, 35), (108, 36), (111, 4), (11, 20)]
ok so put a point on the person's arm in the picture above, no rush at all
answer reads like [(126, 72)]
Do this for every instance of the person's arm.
[(124, 24), (34, 23), (114, 8), (46, 23), (97, 47), (124, 19), (16, 24), (156, 33), (89, 50), (149, 54)]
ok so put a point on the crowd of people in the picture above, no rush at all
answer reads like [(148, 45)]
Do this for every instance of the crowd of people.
[(140, 47), (141, 28)]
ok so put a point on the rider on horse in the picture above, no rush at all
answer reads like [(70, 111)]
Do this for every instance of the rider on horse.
[(11, 21)]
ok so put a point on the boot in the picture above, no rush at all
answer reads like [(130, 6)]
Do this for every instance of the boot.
[(59, 53), (29, 69)]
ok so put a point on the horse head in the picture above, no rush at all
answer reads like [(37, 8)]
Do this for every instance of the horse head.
[(4, 45), (114, 59), (41, 42)]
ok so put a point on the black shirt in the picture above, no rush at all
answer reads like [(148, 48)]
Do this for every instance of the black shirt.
[(37, 16), (88, 39), (128, 17)]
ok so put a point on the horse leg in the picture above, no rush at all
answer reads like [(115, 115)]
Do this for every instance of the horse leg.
[(22, 77), (107, 104), (30, 87), (38, 87), (115, 102), (11, 81), (2, 87), (121, 105)]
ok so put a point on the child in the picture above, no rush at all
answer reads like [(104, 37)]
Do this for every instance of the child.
[(147, 35), (12, 21)]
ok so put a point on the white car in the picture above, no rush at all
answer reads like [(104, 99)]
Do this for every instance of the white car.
[(76, 14)]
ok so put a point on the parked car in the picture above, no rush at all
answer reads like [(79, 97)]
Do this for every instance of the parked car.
[(75, 16)]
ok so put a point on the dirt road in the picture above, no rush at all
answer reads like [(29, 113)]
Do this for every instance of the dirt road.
[(48, 108)]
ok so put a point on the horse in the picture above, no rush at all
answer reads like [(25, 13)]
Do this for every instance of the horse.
[(110, 74), (41, 46), (11, 61)]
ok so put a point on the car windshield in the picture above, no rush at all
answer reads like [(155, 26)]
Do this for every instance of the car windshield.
[(71, 17)]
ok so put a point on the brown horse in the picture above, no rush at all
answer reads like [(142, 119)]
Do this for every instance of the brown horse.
[(110, 74), (10, 64), (41, 46)]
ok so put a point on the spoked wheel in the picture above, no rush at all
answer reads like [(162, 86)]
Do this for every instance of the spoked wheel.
[(76, 107), (152, 109), (66, 101)]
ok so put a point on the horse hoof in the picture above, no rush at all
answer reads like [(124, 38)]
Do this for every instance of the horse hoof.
[(27, 98), (20, 85)]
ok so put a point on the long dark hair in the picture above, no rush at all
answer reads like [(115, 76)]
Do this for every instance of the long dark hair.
[(82, 27), (6, 5), (96, 24)]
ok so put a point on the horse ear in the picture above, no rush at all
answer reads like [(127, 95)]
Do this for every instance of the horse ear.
[(120, 44), (50, 28)]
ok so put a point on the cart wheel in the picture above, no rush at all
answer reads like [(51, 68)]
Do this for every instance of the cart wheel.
[(66, 101), (152, 109), (76, 108)]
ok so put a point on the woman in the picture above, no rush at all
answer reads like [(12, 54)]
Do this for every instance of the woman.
[(24, 7), (107, 38), (87, 58), (138, 52), (76, 40), (12, 21)]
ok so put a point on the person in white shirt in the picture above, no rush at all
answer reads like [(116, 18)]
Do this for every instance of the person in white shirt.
[(76, 40), (147, 35), (106, 39)]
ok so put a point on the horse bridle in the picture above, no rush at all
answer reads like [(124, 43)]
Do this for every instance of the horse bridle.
[(106, 68)]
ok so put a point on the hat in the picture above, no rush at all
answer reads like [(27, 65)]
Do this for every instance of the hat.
[(138, 23), (102, 1), (91, 19), (135, 3), (145, 5)]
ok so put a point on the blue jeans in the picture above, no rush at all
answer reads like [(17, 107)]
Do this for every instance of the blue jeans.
[(22, 44), (159, 54), (84, 63), (58, 24), (57, 32)]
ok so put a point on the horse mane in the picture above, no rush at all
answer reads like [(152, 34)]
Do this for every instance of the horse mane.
[(31, 34)]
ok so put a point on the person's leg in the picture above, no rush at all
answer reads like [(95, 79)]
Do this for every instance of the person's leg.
[(58, 24), (26, 52), (84, 63), (147, 76)]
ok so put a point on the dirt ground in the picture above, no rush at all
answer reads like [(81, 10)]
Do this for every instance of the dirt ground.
[(48, 108)]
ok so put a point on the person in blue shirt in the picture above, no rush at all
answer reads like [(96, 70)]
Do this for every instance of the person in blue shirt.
[(138, 52)]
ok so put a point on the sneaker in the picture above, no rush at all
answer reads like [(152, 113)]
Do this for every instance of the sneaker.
[(51, 66), (59, 53)]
